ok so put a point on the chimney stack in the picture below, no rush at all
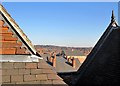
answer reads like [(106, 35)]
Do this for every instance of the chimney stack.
[(50, 57), (54, 60), (69, 59), (73, 62)]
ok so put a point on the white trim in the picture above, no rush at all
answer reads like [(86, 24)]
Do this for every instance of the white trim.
[(19, 58)]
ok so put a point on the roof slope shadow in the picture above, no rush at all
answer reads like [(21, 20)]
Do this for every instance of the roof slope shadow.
[(102, 65)]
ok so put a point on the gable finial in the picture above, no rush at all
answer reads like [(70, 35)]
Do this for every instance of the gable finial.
[(112, 17)]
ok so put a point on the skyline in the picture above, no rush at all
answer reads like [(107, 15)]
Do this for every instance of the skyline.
[(68, 24)]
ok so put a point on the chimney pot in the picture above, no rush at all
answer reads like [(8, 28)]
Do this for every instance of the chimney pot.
[(51, 59), (69, 59), (73, 62), (54, 60)]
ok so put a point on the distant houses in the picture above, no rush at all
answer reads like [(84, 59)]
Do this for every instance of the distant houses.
[(69, 52), (81, 56)]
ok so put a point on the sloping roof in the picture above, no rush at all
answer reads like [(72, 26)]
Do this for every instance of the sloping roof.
[(101, 66), (73, 53), (29, 73), (62, 64), (17, 30), (63, 67)]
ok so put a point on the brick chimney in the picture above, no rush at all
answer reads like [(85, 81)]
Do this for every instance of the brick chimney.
[(73, 62), (54, 60), (51, 59), (66, 57)]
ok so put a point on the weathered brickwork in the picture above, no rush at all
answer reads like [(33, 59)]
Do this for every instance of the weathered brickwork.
[(9, 43), (29, 73)]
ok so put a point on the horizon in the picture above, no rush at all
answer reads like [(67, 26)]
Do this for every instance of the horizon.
[(64, 23), (63, 46)]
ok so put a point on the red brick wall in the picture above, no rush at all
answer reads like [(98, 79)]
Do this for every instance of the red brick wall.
[(9, 43)]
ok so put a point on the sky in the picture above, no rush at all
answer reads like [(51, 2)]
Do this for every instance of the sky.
[(60, 0), (72, 24)]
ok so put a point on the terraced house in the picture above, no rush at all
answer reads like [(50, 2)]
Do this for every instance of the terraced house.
[(20, 62)]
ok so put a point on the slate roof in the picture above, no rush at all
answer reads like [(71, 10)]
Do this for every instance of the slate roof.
[(62, 66), (102, 65), (74, 53)]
